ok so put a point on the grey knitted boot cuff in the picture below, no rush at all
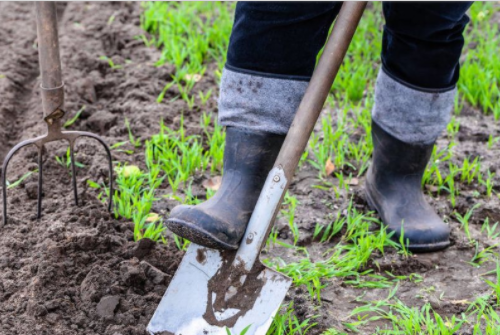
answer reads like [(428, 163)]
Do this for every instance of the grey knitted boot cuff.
[(258, 102), (410, 114)]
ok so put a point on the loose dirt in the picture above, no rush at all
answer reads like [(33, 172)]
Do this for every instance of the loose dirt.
[(78, 271)]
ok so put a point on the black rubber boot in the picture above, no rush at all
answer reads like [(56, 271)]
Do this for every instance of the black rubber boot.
[(220, 222), (393, 189)]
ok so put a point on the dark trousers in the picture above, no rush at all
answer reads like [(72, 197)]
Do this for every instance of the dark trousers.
[(422, 41)]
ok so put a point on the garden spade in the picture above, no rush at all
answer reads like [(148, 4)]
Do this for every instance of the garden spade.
[(218, 292), (52, 92)]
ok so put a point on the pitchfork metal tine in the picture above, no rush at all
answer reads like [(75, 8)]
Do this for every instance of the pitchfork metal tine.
[(40, 183), (110, 160), (4, 172), (73, 171)]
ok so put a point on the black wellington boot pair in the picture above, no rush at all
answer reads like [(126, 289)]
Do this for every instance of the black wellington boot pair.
[(393, 188)]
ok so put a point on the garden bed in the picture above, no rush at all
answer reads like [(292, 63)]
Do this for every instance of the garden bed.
[(78, 270)]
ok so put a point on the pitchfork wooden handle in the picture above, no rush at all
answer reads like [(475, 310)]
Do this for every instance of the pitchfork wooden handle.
[(50, 62)]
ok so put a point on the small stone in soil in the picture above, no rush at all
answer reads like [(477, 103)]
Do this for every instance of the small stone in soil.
[(106, 307)]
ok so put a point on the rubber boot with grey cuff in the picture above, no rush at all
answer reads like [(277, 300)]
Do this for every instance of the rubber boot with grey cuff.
[(393, 189), (220, 222)]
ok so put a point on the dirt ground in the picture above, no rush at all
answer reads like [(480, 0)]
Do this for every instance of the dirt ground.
[(78, 271)]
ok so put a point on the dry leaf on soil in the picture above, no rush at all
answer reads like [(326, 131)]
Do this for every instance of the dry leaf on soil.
[(329, 167), (212, 183), (193, 77), (152, 217)]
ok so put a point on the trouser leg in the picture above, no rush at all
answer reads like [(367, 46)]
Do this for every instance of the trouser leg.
[(415, 89), (271, 57), (270, 60), (413, 100)]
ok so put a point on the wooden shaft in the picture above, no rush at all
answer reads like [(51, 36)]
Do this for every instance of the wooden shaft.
[(48, 44), (317, 92), (50, 62), (319, 87)]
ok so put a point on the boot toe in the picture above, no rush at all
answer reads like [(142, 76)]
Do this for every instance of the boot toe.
[(201, 228), (428, 237)]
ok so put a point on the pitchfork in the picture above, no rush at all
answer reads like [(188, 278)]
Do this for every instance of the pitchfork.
[(52, 91)]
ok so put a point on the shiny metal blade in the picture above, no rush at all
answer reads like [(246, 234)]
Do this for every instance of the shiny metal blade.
[(189, 305)]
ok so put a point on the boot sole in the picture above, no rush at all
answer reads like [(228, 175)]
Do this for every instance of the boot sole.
[(415, 248), (196, 235)]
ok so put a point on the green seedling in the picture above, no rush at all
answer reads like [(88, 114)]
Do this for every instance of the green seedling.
[(111, 63), (491, 230), (120, 144), (464, 220), (150, 226), (470, 170), (333, 331), (492, 141), (103, 195), (182, 244), (488, 183), (147, 42), (290, 203), (20, 180), (326, 233), (482, 256), (496, 284), (453, 127), (161, 96), (65, 161), (204, 97), (286, 323), (71, 121), (111, 19), (404, 243), (136, 142), (243, 332)]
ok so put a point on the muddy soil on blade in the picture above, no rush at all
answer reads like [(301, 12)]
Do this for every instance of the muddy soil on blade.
[(78, 271)]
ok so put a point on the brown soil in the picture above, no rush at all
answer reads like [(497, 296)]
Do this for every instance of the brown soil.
[(78, 271)]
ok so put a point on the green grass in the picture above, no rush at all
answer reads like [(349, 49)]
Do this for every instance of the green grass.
[(480, 317), (345, 260), (18, 182), (479, 82), (287, 323), (172, 159), (190, 35)]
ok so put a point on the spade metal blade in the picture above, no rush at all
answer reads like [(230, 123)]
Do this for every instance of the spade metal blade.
[(192, 305)]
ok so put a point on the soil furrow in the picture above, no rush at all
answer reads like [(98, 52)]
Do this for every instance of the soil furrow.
[(18, 69)]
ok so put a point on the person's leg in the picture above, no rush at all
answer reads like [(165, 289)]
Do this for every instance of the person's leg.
[(414, 96), (271, 57)]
